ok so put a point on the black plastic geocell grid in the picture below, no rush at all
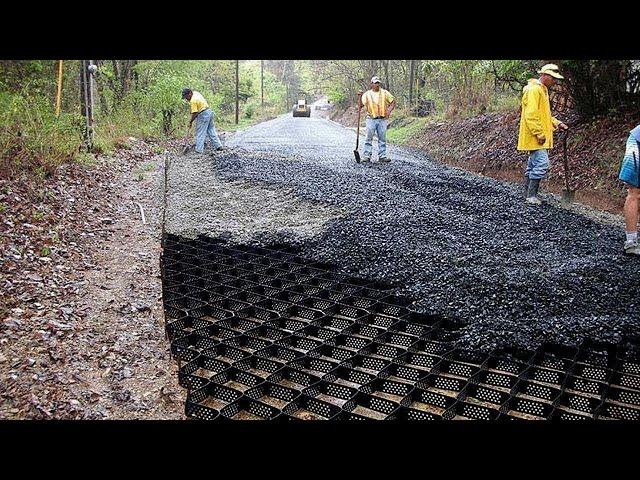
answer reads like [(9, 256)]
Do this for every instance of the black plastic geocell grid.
[(261, 333)]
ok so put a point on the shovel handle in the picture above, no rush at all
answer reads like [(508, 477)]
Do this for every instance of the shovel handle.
[(565, 160), (358, 124)]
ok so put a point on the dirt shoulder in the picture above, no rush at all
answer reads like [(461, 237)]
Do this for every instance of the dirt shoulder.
[(81, 317)]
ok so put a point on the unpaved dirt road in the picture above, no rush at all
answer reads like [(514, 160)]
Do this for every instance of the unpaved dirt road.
[(462, 245), (86, 337)]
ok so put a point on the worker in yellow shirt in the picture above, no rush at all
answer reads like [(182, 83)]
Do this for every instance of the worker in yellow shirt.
[(536, 129), (203, 116), (379, 104)]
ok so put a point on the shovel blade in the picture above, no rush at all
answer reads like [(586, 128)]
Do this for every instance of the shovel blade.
[(356, 154), (568, 196)]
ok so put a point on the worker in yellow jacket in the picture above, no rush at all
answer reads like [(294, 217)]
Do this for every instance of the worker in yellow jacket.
[(536, 129)]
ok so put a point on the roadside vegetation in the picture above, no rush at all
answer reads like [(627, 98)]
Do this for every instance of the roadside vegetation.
[(437, 100), (132, 98), (463, 88), (466, 114)]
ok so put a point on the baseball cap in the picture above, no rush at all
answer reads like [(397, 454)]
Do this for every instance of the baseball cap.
[(551, 69), (375, 80)]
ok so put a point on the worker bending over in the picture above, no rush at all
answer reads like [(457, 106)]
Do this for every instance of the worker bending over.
[(203, 115)]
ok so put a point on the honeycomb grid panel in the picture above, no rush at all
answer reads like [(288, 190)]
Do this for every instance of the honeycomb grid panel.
[(265, 334)]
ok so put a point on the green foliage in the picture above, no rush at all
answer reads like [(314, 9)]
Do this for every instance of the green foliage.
[(405, 128), (465, 86), (514, 74), (249, 110), (31, 137), (85, 158), (142, 98), (337, 96), (132, 98), (156, 97), (602, 86), (161, 98)]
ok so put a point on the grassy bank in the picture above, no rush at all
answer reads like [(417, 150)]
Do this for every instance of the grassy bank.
[(401, 131)]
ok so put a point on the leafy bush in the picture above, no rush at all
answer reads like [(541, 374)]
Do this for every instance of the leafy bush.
[(32, 138), (249, 110)]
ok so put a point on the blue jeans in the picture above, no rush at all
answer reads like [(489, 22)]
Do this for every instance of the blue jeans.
[(538, 164), (204, 128), (378, 127)]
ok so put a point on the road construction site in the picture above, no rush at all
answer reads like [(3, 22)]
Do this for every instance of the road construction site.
[(408, 290)]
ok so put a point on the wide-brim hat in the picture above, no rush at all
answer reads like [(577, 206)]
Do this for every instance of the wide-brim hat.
[(551, 69)]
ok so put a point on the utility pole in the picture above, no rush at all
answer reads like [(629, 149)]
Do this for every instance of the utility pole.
[(91, 70), (262, 81), (237, 91), (86, 99)]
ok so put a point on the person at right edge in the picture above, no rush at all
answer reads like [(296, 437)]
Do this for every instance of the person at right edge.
[(536, 129), (630, 175)]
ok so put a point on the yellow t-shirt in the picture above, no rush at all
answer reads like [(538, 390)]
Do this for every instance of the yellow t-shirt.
[(376, 102), (198, 103)]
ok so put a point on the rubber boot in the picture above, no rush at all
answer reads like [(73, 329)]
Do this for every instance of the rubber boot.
[(632, 248), (532, 192), (526, 186)]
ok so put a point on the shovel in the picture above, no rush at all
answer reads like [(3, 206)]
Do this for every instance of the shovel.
[(185, 142), (356, 153), (568, 195)]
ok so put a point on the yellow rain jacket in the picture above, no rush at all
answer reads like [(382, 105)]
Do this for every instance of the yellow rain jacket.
[(535, 118)]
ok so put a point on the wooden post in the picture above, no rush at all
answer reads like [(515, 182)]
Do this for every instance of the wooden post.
[(237, 91), (262, 81), (59, 92)]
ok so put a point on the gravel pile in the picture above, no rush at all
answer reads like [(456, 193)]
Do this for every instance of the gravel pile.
[(198, 202), (461, 245)]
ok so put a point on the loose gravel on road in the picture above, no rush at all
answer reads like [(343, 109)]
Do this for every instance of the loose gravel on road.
[(459, 244), (239, 210)]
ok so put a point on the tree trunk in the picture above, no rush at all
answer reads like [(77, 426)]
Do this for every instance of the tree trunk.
[(237, 91), (385, 64), (411, 69)]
